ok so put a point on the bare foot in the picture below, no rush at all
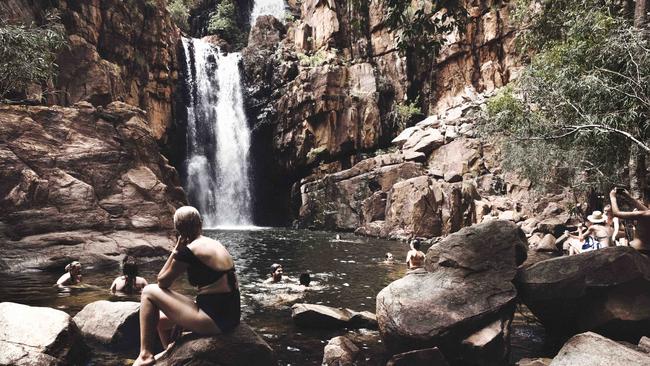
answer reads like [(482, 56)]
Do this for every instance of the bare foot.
[(145, 360)]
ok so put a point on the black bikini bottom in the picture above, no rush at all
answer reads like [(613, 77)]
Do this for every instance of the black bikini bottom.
[(224, 309)]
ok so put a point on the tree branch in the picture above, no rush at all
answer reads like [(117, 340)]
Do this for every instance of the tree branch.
[(575, 129)]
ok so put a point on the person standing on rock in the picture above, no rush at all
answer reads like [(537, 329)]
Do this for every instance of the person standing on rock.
[(211, 268), (415, 257), (130, 283), (72, 275), (641, 214)]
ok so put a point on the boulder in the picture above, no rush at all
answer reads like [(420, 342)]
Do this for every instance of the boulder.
[(242, 346), (463, 303), (420, 357), (32, 335), (112, 323), (644, 344), (604, 291), (321, 316), (340, 351), (424, 141), (547, 244), (591, 349)]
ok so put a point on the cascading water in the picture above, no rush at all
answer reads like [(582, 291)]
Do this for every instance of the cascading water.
[(218, 137), (268, 7)]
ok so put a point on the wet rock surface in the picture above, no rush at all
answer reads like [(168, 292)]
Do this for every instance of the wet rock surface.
[(463, 303), (604, 291), (421, 357), (340, 351), (242, 346), (82, 183), (112, 323), (321, 316), (591, 349), (38, 336)]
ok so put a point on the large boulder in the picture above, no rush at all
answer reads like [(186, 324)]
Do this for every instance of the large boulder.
[(591, 349), (113, 323), (606, 291), (340, 351), (32, 335), (242, 346), (463, 303), (321, 316)]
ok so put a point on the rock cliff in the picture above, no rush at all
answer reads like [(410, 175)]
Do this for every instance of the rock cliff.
[(326, 88), (118, 50), (82, 183)]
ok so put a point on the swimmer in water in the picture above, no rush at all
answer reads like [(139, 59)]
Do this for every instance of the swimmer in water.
[(72, 275), (130, 283), (389, 258), (276, 273), (305, 279)]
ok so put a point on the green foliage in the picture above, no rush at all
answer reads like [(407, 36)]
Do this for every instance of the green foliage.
[(222, 23), (406, 111), (28, 53), (180, 14), (570, 117), (421, 25), (317, 59)]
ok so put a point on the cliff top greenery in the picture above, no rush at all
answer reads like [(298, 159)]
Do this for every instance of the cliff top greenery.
[(28, 53), (578, 114)]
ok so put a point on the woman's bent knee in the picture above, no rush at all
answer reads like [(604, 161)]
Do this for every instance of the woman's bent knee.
[(150, 289)]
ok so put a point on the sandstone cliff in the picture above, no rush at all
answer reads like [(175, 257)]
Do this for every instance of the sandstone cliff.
[(118, 50), (325, 90), (82, 183)]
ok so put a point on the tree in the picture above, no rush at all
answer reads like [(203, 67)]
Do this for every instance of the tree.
[(28, 53), (581, 108)]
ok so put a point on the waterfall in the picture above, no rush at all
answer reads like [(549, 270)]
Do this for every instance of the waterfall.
[(218, 137), (268, 7)]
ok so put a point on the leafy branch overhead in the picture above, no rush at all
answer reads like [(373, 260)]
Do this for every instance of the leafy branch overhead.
[(421, 25), (582, 104), (28, 53)]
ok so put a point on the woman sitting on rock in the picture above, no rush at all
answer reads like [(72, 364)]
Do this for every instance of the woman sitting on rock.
[(210, 267), (130, 283), (72, 275)]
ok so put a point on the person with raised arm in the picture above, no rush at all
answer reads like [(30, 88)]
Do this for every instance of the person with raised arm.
[(640, 214)]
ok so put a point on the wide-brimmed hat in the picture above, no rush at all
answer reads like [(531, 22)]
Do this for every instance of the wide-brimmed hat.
[(597, 217)]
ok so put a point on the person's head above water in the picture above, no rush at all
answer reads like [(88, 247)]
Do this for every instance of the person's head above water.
[(276, 272), (389, 256), (416, 244), (187, 221), (130, 266), (74, 268), (305, 279)]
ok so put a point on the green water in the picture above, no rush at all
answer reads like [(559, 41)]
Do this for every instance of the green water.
[(346, 273)]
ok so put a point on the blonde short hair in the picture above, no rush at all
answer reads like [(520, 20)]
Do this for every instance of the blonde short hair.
[(187, 220)]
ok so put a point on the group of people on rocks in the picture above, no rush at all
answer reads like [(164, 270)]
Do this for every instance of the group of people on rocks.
[(612, 226)]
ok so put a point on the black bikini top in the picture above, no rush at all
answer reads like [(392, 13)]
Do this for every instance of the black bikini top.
[(200, 274)]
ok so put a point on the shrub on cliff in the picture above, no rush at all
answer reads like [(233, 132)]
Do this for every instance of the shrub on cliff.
[(180, 13), (222, 23), (28, 53), (582, 105)]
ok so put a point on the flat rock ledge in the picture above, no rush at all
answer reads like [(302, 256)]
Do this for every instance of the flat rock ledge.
[(321, 316), (240, 347), (40, 336)]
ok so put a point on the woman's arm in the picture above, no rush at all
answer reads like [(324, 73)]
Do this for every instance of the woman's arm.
[(113, 286), (172, 268), (625, 214), (63, 280)]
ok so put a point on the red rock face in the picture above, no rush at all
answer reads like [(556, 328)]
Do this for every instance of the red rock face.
[(82, 182), (117, 51)]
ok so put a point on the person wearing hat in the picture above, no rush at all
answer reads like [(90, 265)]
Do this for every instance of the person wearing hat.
[(599, 233)]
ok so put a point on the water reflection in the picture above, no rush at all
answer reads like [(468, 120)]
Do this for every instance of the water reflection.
[(345, 273)]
